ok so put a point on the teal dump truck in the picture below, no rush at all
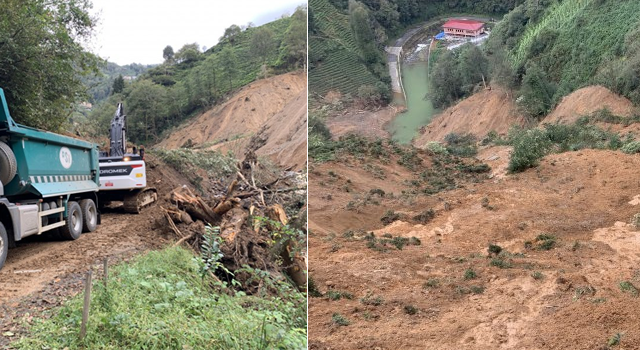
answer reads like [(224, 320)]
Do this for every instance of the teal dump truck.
[(47, 182)]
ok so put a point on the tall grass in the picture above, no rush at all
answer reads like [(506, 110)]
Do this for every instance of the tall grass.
[(160, 301)]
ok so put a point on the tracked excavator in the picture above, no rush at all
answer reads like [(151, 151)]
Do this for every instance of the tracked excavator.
[(123, 175)]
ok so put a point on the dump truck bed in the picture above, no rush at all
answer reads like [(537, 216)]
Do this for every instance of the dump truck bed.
[(48, 164)]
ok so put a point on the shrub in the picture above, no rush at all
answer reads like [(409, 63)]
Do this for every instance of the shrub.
[(339, 320), (410, 310), (546, 241), (389, 217), (628, 287), (436, 148), (425, 216), (528, 148), (631, 147), (494, 249), (461, 145), (470, 274), (501, 263), (337, 295)]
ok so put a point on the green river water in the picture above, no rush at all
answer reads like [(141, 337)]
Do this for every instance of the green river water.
[(419, 110)]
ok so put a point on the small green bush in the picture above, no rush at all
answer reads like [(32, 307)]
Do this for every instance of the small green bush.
[(528, 148), (631, 147), (389, 217), (339, 320), (470, 274)]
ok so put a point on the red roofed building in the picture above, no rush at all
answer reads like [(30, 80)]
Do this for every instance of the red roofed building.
[(463, 27)]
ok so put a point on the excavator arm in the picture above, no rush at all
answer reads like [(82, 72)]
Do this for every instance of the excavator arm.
[(117, 133)]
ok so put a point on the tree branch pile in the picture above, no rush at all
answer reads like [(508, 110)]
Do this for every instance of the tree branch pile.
[(250, 213)]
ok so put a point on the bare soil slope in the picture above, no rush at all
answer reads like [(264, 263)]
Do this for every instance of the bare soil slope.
[(261, 104), (362, 122), (422, 296), (488, 110), (587, 100)]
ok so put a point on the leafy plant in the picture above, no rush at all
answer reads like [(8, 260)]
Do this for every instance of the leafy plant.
[(210, 253), (628, 287), (470, 274), (339, 320)]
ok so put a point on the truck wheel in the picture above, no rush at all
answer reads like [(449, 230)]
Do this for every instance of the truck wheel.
[(4, 245), (8, 164), (73, 228), (45, 219), (90, 215)]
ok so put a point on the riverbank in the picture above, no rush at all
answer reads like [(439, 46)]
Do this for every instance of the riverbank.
[(408, 61)]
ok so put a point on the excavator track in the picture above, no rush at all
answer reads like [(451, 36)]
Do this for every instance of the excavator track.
[(137, 200)]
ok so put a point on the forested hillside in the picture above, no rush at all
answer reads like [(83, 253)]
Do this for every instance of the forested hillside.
[(556, 47), (544, 50), (42, 59), (100, 86), (347, 39), (190, 81)]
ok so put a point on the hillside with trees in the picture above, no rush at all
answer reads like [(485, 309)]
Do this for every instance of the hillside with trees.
[(110, 79), (347, 39), (42, 59), (191, 81), (544, 50)]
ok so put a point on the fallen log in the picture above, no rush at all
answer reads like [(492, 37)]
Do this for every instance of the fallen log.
[(291, 260)]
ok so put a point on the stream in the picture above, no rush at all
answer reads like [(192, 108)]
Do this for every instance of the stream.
[(420, 111)]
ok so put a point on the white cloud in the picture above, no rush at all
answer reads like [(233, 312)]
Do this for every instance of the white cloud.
[(136, 31)]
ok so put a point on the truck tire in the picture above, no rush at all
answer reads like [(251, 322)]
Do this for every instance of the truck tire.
[(73, 227), (8, 164), (45, 219), (89, 214), (4, 245)]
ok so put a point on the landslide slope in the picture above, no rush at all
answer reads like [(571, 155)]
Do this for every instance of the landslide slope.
[(481, 113), (274, 109), (586, 101), (448, 292)]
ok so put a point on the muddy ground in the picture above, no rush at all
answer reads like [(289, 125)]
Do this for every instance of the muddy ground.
[(579, 292), (43, 271)]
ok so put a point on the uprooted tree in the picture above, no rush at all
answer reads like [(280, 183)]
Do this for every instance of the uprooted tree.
[(245, 223)]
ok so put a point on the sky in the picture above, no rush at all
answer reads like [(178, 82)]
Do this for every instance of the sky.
[(136, 31)]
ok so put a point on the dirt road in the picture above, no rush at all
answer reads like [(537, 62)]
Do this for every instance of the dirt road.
[(37, 261)]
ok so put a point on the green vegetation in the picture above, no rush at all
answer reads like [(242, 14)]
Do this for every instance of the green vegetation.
[(470, 274), (162, 301), (628, 287), (42, 58), (494, 249), (389, 217), (556, 47), (347, 38), (335, 61), (501, 263), (531, 145), (337, 295), (312, 288), (339, 320), (369, 299), (537, 275), (431, 283), (456, 73), (615, 339), (410, 309), (546, 241), (187, 161), (380, 244), (190, 81)]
